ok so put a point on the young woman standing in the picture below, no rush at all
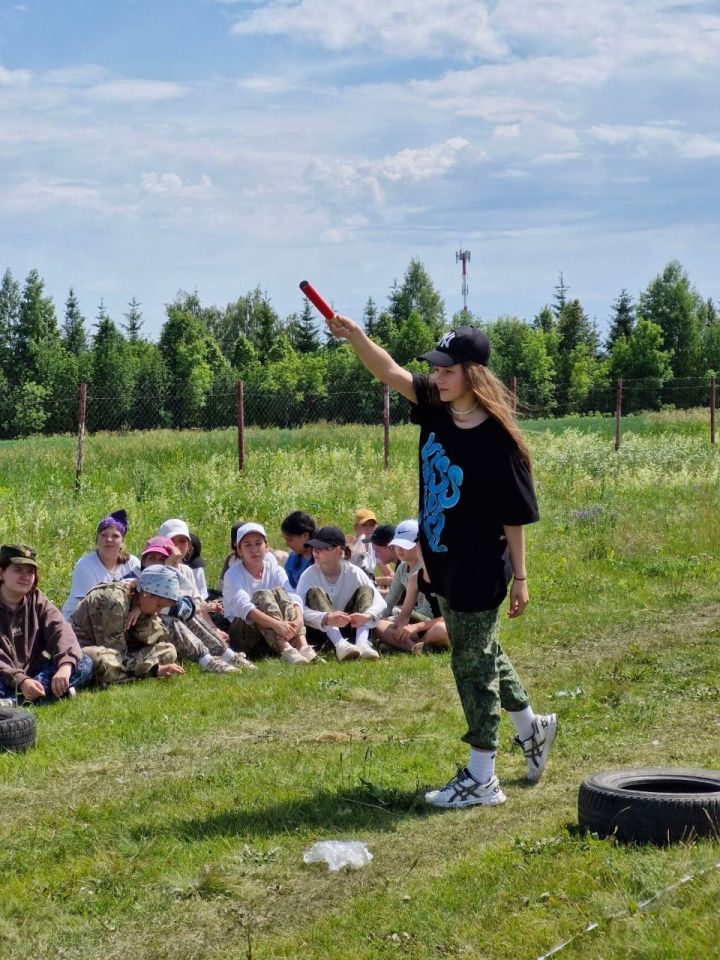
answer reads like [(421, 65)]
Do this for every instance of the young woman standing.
[(476, 494)]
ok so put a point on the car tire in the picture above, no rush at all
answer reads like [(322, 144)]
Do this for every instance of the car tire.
[(17, 729), (651, 805)]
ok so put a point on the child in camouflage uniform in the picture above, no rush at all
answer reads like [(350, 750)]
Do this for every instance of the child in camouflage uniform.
[(120, 652)]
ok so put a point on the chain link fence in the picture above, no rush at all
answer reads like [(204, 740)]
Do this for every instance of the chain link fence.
[(241, 409)]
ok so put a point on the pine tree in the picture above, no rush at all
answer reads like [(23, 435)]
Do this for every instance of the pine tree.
[(9, 317), (74, 334), (673, 304), (622, 320), (134, 323), (561, 292), (370, 316), (417, 293), (36, 326), (302, 331), (111, 380)]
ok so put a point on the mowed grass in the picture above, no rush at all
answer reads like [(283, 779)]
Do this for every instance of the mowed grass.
[(169, 819)]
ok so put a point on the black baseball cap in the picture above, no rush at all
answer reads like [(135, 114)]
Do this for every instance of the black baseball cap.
[(381, 535), (463, 345), (327, 537)]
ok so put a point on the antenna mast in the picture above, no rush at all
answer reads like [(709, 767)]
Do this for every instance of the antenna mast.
[(463, 256)]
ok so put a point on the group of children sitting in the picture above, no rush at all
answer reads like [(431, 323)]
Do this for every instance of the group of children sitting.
[(128, 617)]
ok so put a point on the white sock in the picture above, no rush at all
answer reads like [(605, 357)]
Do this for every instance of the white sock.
[(481, 764), (523, 721), (205, 659), (334, 635), (228, 655), (362, 635)]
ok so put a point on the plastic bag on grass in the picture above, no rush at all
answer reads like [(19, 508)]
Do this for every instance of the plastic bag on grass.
[(338, 854)]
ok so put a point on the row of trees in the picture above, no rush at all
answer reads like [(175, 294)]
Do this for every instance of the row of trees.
[(294, 373)]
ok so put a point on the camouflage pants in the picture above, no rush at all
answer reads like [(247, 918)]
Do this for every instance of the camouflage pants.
[(192, 638), (111, 666), (486, 679), (317, 599), (249, 638)]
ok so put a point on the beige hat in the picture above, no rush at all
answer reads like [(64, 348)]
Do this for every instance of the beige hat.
[(362, 516)]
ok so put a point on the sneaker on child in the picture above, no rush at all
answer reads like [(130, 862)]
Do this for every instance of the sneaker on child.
[(217, 665), (465, 791), (291, 655), (308, 653), (367, 651), (344, 650), (537, 746)]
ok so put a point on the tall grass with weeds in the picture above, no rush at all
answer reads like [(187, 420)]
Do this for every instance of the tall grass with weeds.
[(168, 819)]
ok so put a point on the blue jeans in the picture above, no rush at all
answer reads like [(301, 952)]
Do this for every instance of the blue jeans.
[(78, 678)]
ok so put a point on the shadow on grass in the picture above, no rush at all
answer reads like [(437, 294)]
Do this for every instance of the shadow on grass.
[(364, 807)]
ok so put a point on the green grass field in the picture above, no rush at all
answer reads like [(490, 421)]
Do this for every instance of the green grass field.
[(169, 819)]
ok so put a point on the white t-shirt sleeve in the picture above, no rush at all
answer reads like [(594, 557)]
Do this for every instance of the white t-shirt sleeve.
[(84, 577)]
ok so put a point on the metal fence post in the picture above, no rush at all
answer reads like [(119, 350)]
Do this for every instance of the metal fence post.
[(82, 413), (513, 391), (386, 424), (713, 399), (618, 412), (240, 410)]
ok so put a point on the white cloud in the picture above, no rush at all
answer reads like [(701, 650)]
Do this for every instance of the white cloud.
[(691, 146), (14, 78), (35, 194), (170, 183), (136, 91), (437, 28), (355, 178)]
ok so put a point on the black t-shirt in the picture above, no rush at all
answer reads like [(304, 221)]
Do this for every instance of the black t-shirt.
[(472, 483)]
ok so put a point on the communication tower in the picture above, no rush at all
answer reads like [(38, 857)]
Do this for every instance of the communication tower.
[(463, 256)]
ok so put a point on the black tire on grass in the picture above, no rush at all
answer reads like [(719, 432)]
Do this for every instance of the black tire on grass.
[(651, 805), (17, 729)]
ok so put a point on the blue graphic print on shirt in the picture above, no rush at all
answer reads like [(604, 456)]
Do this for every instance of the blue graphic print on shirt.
[(441, 490)]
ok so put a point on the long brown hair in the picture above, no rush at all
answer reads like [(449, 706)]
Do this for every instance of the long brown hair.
[(496, 399)]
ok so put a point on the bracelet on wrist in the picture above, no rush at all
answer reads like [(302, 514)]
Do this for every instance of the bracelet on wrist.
[(519, 578)]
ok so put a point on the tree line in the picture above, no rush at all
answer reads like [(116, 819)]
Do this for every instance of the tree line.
[(294, 373)]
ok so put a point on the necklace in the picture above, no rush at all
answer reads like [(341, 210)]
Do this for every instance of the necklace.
[(463, 413)]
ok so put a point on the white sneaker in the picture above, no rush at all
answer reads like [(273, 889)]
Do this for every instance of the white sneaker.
[(8, 703), (367, 651), (465, 791), (344, 650), (537, 746), (291, 655), (308, 652)]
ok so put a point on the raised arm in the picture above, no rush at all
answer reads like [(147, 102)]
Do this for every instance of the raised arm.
[(378, 361)]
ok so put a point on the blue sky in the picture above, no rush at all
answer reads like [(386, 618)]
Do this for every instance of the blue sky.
[(149, 145)]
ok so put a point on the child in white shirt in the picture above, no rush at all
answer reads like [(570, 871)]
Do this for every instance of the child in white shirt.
[(338, 595), (259, 602)]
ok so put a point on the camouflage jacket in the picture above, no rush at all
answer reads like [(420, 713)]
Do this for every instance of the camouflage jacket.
[(99, 619)]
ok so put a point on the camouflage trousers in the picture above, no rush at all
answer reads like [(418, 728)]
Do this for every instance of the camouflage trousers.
[(112, 666), (317, 599), (486, 679), (260, 641), (192, 638)]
